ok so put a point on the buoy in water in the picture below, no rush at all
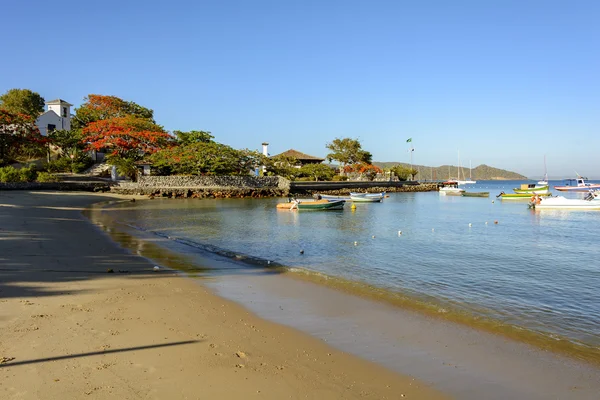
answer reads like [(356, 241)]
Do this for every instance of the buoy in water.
[(486, 222), (353, 207), (301, 251), (496, 222), (373, 236), (399, 233), (432, 229), (470, 224), (356, 243)]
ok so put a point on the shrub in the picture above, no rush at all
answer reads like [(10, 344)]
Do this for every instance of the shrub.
[(339, 178), (9, 174), (80, 163), (28, 174), (46, 177)]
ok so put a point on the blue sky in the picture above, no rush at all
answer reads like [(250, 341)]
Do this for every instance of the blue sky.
[(505, 82)]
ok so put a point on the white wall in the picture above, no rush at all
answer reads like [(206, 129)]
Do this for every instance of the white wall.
[(52, 118), (58, 108)]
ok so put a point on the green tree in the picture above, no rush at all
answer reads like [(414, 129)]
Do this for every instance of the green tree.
[(205, 159), (282, 165), (185, 138), (23, 101), (318, 172), (403, 173), (69, 142), (348, 151)]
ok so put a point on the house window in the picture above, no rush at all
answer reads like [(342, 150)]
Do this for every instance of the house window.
[(64, 113), (51, 128)]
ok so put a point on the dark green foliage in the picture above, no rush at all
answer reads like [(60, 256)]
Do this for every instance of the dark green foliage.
[(201, 158), (317, 172), (11, 174), (348, 151), (23, 101), (79, 163), (185, 138)]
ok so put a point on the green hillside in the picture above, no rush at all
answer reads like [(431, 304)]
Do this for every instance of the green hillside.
[(480, 173)]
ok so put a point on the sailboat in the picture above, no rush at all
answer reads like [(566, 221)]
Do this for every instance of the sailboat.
[(465, 181), (545, 180)]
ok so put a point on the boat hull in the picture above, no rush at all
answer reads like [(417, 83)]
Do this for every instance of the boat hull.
[(476, 194), (321, 205), (567, 204), (536, 190), (520, 196), (586, 188), (366, 199)]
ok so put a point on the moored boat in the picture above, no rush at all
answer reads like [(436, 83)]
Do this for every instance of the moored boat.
[(591, 202), (356, 194), (366, 199), (476, 194), (331, 197), (531, 188), (578, 184), (519, 196), (451, 188), (312, 205)]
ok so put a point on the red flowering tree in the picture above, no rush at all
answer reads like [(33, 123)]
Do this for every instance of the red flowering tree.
[(364, 169), (99, 107), (19, 137), (128, 137)]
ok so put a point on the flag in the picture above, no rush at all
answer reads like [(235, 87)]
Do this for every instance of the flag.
[(408, 140)]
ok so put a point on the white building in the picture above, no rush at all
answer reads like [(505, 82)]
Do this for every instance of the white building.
[(58, 117)]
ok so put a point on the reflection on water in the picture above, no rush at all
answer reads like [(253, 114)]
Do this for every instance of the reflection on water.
[(535, 269)]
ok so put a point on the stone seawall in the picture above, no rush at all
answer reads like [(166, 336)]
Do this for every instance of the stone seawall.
[(424, 187), (206, 186), (60, 186)]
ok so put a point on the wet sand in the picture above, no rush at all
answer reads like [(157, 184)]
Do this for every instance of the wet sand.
[(81, 316), (458, 360)]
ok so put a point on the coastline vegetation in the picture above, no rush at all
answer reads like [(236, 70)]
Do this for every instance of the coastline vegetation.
[(128, 135)]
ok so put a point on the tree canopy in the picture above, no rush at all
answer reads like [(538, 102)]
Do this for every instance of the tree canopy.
[(202, 158), (348, 151), (125, 137), (23, 101), (99, 107), (18, 136), (185, 138)]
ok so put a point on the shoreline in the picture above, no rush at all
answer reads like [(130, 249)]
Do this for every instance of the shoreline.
[(426, 305), (72, 328), (529, 358)]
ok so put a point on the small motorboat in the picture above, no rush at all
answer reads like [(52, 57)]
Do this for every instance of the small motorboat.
[(366, 199), (476, 194), (532, 188), (450, 188), (322, 204), (355, 194), (590, 202), (519, 196), (580, 185)]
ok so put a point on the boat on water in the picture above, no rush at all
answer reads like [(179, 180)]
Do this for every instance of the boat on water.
[(532, 188), (366, 199), (476, 194), (451, 188), (519, 196), (332, 197), (372, 195), (591, 202), (578, 184), (312, 205)]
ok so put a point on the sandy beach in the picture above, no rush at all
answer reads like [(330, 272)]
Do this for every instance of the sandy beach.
[(81, 316)]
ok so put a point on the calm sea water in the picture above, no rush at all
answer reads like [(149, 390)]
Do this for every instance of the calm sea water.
[(535, 269)]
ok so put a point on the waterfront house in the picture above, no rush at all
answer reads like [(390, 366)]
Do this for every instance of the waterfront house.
[(58, 116), (303, 159)]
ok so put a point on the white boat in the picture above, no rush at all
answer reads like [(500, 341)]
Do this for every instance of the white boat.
[(451, 188), (580, 185), (591, 202), (370, 195), (366, 199)]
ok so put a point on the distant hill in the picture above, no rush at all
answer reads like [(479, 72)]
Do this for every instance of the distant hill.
[(480, 173)]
